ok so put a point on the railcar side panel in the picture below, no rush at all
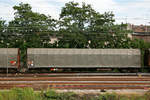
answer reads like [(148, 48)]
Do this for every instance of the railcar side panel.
[(85, 58), (9, 58)]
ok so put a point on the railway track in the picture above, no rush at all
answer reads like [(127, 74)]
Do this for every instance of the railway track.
[(74, 82), (70, 74)]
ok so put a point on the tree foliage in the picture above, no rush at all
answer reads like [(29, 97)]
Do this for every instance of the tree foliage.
[(73, 41), (28, 22), (79, 26), (29, 28), (3, 35), (84, 19)]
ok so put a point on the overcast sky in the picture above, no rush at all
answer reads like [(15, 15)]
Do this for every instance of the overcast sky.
[(130, 11)]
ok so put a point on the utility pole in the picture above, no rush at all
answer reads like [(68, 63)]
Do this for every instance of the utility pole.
[(7, 54)]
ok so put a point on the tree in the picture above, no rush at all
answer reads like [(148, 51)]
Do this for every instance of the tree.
[(72, 41), (84, 19), (28, 26), (101, 23), (2, 26), (116, 37), (28, 22), (3, 35), (95, 27)]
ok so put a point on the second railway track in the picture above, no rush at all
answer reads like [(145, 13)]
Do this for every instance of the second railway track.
[(74, 82)]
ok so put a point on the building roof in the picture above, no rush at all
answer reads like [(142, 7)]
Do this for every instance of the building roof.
[(139, 29)]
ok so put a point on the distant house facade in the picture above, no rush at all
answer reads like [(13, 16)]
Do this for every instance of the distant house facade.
[(140, 32), (142, 36)]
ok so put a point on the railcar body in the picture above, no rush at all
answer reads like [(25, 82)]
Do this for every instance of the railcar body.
[(9, 58), (83, 58)]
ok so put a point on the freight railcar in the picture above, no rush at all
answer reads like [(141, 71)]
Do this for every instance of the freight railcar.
[(9, 58), (83, 58)]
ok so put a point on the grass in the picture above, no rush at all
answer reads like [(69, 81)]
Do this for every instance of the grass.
[(49, 94)]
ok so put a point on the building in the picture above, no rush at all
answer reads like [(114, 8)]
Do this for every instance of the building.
[(140, 32)]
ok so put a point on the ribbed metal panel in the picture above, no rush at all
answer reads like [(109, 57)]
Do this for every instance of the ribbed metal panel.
[(43, 57), (83, 51), (6, 56)]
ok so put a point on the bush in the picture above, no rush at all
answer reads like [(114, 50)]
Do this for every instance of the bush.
[(108, 96), (20, 94), (49, 94)]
